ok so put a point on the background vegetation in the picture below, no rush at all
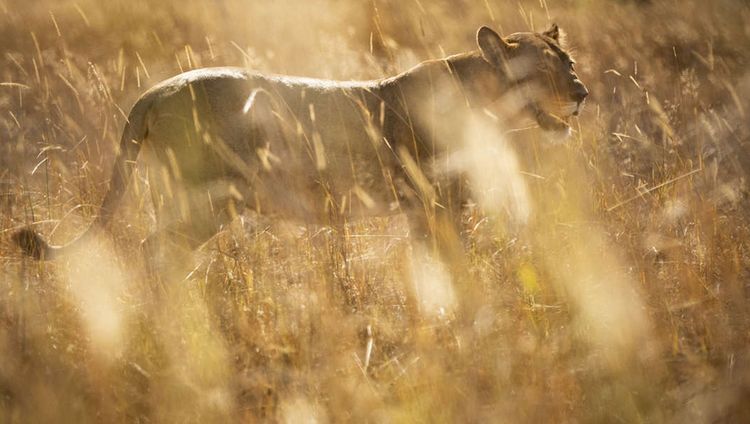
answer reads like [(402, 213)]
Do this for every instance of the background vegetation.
[(621, 297)]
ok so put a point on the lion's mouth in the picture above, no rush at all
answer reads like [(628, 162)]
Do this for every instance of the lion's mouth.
[(558, 116), (570, 109)]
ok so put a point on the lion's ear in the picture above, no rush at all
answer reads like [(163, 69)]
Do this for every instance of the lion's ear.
[(492, 46), (554, 32)]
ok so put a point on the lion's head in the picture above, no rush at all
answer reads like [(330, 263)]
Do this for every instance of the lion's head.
[(541, 69)]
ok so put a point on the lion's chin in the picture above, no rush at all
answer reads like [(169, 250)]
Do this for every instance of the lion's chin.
[(550, 122), (556, 130)]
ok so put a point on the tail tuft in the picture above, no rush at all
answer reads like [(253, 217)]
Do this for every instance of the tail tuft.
[(32, 244)]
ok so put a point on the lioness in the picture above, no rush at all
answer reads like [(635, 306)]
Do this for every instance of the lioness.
[(220, 139)]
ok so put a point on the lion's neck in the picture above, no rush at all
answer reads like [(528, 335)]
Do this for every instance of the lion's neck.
[(480, 82), (465, 77)]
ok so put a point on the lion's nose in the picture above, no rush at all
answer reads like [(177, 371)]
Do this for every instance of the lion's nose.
[(580, 92)]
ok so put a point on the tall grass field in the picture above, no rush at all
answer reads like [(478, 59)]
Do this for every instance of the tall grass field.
[(612, 270)]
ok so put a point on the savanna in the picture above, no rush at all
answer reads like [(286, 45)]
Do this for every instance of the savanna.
[(605, 267)]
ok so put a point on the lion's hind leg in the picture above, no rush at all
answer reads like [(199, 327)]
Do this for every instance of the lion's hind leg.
[(189, 219)]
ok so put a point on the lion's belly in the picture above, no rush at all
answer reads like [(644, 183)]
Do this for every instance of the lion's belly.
[(340, 182), (293, 178), (303, 194)]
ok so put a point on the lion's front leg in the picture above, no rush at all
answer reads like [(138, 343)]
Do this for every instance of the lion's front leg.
[(435, 231)]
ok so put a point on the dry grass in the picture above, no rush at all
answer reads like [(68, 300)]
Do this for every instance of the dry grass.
[(623, 297)]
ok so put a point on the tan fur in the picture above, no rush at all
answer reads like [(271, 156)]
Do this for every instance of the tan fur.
[(220, 139)]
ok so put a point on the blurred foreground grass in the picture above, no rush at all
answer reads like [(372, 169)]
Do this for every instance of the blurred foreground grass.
[(623, 297)]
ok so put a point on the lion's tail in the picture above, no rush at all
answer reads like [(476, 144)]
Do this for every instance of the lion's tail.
[(133, 134)]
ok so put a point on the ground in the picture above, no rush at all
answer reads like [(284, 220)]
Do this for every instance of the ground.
[(613, 271)]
